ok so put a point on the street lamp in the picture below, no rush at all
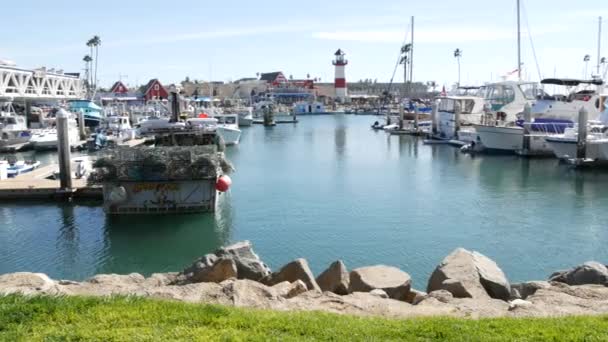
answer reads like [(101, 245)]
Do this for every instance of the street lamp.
[(457, 55), (586, 59)]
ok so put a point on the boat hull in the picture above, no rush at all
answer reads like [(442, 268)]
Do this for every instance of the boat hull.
[(231, 136), (503, 139), (565, 148)]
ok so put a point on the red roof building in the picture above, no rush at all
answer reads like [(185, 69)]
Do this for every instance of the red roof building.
[(119, 88), (155, 90), (274, 78)]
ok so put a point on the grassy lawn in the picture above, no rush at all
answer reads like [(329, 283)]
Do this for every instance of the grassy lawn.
[(126, 319)]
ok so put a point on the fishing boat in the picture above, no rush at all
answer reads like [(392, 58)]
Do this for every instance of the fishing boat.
[(228, 128), (93, 114)]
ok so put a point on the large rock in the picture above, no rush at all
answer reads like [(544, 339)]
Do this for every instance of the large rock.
[(391, 280), (335, 278), (237, 260), (529, 288), (221, 270), (293, 271), (468, 274), (248, 263), (492, 277), (591, 272), (286, 289), (117, 280), (25, 283), (247, 293)]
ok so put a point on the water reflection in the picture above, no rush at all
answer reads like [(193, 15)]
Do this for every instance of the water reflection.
[(160, 243), (68, 239)]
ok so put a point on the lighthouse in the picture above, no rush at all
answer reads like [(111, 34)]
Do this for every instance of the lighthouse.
[(340, 80)]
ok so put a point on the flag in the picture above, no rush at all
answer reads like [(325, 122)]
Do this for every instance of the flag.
[(512, 72)]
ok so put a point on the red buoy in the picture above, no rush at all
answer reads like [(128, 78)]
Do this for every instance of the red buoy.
[(223, 183)]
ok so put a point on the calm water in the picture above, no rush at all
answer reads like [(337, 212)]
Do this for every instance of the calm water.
[(331, 188)]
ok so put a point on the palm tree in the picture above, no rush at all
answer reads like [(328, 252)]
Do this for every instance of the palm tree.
[(87, 60), (90, 45), (457, 55), (96, 42), (586, 59)]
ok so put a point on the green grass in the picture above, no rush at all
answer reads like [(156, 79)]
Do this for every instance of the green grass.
[(137, 319)]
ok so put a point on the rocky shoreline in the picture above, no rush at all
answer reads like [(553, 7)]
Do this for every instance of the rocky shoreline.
[(464, 284)]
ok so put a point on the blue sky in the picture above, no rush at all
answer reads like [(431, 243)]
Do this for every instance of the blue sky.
[(224, 40)]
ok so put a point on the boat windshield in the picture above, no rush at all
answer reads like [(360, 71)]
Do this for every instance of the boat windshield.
[(230, 120), (499, 95), (530, 91)]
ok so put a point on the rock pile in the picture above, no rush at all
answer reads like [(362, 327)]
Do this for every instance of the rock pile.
[(465, 284)]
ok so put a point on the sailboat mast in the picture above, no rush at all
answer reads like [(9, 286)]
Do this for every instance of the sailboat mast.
[(518, 42), (599, 46), (411, 62)]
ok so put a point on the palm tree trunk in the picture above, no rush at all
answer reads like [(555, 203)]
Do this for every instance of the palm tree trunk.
[(96, 55)]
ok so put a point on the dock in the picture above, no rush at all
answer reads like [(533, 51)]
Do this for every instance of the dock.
[(261, 122), (36, 186)]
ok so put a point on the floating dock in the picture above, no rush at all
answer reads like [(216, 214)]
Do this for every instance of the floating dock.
[(36, 186)]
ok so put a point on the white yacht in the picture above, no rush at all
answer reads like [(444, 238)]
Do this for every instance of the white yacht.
[(13, 127), (504, 103), (564, 146), (471, 113), (550, 115), (47, 139)]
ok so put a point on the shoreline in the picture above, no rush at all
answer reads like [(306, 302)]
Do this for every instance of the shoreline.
[(465, 284)]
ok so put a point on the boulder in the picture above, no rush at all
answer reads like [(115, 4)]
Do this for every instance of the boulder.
[(293, 271), (117, 280), (415, 296), (25, 283), (286, 289), (529, 288), (161, 279), (379, 293), (468, 274), (221, 270), (492, 277), (443, 296), (248, 293), (248, 263), (391, 280), (335, 278), (591, 272)]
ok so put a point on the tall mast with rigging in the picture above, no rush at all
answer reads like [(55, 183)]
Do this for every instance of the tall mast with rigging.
[(518, 41)]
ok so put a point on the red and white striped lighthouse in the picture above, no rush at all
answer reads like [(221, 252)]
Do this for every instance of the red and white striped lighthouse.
[(340, 82)]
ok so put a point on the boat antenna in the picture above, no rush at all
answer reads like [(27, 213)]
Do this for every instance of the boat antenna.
[(518, 42)]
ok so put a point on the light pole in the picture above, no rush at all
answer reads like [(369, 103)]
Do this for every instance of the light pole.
[(457, 55), (586, 59)]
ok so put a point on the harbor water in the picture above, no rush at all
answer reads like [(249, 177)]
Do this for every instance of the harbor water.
[(331, 188)]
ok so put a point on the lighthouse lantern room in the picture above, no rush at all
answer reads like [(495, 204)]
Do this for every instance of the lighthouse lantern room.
[(340, 80)]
